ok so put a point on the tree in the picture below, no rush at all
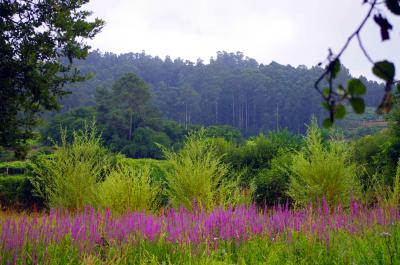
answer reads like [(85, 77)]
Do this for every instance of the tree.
[(39, 40), (124, 109)]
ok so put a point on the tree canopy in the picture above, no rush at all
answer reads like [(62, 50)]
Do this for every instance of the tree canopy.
[(231, 89), (38, 42)]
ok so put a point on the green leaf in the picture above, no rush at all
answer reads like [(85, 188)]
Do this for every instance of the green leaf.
[(340, 111), (356, 87), (325, 105), (384, 70), (327, 123), (358, 105), (393, 6), (326, 91)]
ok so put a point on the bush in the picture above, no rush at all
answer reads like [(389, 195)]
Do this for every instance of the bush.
[(226, 132), (257, 153), (371, 152), (68, 178), (197, 175), (271, 184), (128, 188), (320, 171), (13, 167), (16, 193), (158, 171)]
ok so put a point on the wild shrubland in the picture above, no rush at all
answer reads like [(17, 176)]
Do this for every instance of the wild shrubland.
[(207, 172)]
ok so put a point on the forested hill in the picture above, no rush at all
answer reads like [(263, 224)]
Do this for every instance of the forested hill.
[(231, 89)]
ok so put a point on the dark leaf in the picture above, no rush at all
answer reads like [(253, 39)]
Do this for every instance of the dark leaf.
[(356, 87), (340, 111), (384, 25), (358, 105), (393, 6), (385, 70)]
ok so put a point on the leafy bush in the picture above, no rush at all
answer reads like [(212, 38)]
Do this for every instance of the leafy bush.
[(197, 175), (226, 132), (320, 171), (16, 193), (271, 184), (68, 178), (371, 152), (14, 167), (127, 188), (74, 120), (257, 153), (158, 171)]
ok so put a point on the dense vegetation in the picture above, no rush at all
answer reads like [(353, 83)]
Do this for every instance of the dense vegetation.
[(231, 89), (238, 93)]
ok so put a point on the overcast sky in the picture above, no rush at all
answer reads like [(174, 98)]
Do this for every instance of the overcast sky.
[(286, 31)]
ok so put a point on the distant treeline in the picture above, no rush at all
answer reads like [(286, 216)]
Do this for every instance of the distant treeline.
[(231, 89)]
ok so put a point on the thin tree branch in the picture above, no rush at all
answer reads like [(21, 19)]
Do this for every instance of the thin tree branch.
[(349, 39)]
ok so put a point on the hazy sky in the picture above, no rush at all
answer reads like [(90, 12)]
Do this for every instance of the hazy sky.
[(288, 32)]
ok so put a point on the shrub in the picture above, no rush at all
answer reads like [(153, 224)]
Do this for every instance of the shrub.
[(271, 184), (372, 153), (158, 171), (68, 178), (320, 171), (14, 167), (16, 193), (257, 153), (127, 188), (197, 175)]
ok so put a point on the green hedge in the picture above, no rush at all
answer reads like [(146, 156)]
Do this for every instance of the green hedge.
[(14, 164), (14, 167), (16, 193)]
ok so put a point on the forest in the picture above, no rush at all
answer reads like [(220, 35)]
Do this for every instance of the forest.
[(129, 158), (232, 91)]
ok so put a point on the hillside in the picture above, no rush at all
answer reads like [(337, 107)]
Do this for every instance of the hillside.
[(229, 90)]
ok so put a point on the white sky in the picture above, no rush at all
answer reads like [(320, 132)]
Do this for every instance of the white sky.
[(286, 31)]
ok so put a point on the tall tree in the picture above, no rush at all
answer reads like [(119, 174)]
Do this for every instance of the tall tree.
[(126, 108), (38, 41)]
